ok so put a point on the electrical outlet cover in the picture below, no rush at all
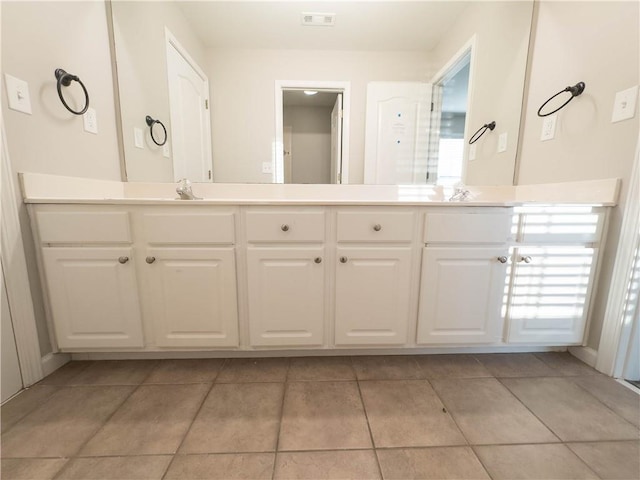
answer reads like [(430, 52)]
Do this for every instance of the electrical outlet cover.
[(266, 167), (472, 153), (18, 94), (548, 128), (502, 142), (624, 105), (138, 138), (90, 121)]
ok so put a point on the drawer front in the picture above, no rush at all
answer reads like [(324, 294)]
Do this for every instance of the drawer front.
[(372, 226), (467, 227), (83, 227), (187, 228), (285, 226)]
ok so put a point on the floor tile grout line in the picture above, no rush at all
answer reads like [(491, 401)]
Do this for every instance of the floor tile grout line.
[(93, 435), (366, 416), (199, 409), (284, 395), (30, 411), (553, 432)]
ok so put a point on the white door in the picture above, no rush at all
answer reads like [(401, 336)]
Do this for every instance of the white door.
[(190, 122), (193, 296), (287, 134), (550, 292), (286, 296), (397, 133), (461, 295), (10, 374), (94, 297), (336, 140), (372, 296)]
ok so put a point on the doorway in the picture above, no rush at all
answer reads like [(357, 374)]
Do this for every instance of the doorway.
[(189, 112), (449, 119), (312, 132), (312, 136)]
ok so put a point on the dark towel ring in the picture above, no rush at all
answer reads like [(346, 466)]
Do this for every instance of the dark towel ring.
[(64, 80), (476, 136), (151, 122), (576, 90)]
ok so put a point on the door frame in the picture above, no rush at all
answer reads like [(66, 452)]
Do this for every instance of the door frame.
[(468, 48), (16, 276), (172, 42), (342, 87)]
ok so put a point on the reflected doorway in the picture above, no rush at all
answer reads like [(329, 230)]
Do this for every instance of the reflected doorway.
[(312, 136), (312, 132), (449, 118)]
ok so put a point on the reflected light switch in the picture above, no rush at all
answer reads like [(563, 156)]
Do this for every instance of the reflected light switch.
[(624, 105), (138, 137), (502, 142), (472, 153)]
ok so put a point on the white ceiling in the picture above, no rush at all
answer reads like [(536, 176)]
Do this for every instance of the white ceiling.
[(297, 98), (359, 25)]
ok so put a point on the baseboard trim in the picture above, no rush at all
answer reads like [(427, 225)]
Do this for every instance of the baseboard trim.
[(307, 353), (587, 354), (53, 361)]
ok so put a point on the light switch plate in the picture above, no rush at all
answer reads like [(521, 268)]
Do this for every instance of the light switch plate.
[(90, 120), (266, 167), (624, 105), (166, 153), (138, 137), (18, 94), (548, 128), (502, 142), (472, 153)]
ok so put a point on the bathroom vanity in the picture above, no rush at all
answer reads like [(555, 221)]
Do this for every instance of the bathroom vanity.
[(127, 267)]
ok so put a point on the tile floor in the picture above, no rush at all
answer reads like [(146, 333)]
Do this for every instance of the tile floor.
[(502, 416)]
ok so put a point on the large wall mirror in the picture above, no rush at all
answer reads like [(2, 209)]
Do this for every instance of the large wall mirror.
[(321, 92)]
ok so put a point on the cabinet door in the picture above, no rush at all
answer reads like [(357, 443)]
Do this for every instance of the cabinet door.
[(286, 296), (372, 296), (193, 296), (93, 296), (550, 292), (461, 295)]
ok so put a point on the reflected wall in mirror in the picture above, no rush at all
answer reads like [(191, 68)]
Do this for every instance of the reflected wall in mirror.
[(215, 73)]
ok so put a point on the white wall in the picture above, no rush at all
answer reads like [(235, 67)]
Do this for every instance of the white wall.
[(139, 30), (598, 43), (502, 39), (310, 143), (243, 100), (37, 38)]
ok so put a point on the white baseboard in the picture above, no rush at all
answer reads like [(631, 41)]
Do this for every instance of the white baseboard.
[(53, 361), (306, 353), (587, 354)]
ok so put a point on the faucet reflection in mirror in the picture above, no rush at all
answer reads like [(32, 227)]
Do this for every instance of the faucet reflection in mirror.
[(185, 191)]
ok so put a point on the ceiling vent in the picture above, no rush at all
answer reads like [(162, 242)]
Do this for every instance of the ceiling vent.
[(314, 19)]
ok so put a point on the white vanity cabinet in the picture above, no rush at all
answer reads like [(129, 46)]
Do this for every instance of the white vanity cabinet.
[(188, 274), (90, 277), (464, 268), (373, 276), (286, 276)]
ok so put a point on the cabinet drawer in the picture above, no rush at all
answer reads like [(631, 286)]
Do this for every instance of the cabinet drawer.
[(372, 226), (467, 227), (187, 228), (83, 227), (285, 226)]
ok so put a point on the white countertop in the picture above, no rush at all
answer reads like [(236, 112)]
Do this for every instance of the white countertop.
[(54, 189)]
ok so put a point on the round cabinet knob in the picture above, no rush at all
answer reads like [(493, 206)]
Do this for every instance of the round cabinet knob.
[(284, 228), (502, 259), (343, 259), (150, 260), (317, 260), (526, 259), (377, 227), (123, 259)]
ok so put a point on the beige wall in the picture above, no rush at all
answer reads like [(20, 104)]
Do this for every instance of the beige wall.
[(597, 43), (310, 143), (37, 38), (243, 100), (502, 39), (139, 30)]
